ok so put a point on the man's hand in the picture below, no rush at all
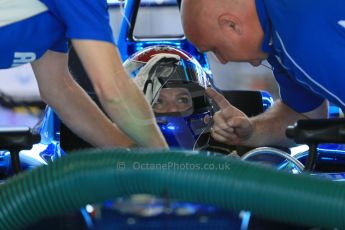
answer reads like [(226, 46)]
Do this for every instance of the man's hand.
[(231, 125)]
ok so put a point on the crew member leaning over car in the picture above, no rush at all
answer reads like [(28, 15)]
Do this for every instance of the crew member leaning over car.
[(36, 32), (304, 41)]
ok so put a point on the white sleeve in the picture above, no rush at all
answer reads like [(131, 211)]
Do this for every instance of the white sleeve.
[(12, 11)]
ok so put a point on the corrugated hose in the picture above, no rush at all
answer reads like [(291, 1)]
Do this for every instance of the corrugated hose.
[(96, 175)]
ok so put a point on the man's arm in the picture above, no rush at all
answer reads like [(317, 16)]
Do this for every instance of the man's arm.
[(269, 127), (233, 127), (72, 104), (120, 97)]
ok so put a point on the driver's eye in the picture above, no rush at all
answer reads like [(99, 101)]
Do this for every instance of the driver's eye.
[(183, 100)]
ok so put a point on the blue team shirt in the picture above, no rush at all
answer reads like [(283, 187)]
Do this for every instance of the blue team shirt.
[(305, 40), (27, 40)]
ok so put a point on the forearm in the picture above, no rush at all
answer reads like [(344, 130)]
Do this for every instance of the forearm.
[(84, 118), (233, 127), (120, 97), (73, 105), (269, 127)]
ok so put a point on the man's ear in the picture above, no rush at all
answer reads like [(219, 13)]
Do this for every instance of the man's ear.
[(230, 23)]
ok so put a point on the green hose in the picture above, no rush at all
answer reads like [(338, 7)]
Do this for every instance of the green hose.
[(97, 175)]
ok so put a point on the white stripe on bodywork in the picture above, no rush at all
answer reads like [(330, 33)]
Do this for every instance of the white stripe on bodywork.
[(342, 23), (306, 74), (12, 11)]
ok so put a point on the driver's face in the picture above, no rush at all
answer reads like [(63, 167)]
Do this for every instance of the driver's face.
[(173, 100)]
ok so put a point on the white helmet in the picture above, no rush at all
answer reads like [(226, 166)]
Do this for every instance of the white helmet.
[(174, 84)]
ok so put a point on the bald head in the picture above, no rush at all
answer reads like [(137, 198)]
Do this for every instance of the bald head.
[(197, 14), (228, 28), (201, 16)]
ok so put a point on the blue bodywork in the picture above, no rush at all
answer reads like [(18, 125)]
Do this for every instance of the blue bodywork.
[(176, 132), (42, 153), (129, 45)]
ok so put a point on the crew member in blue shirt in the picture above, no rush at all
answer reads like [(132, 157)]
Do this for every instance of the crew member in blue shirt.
[(36, 32), (304, 41)]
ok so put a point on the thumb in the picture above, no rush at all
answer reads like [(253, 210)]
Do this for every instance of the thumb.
[(218, 98)]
